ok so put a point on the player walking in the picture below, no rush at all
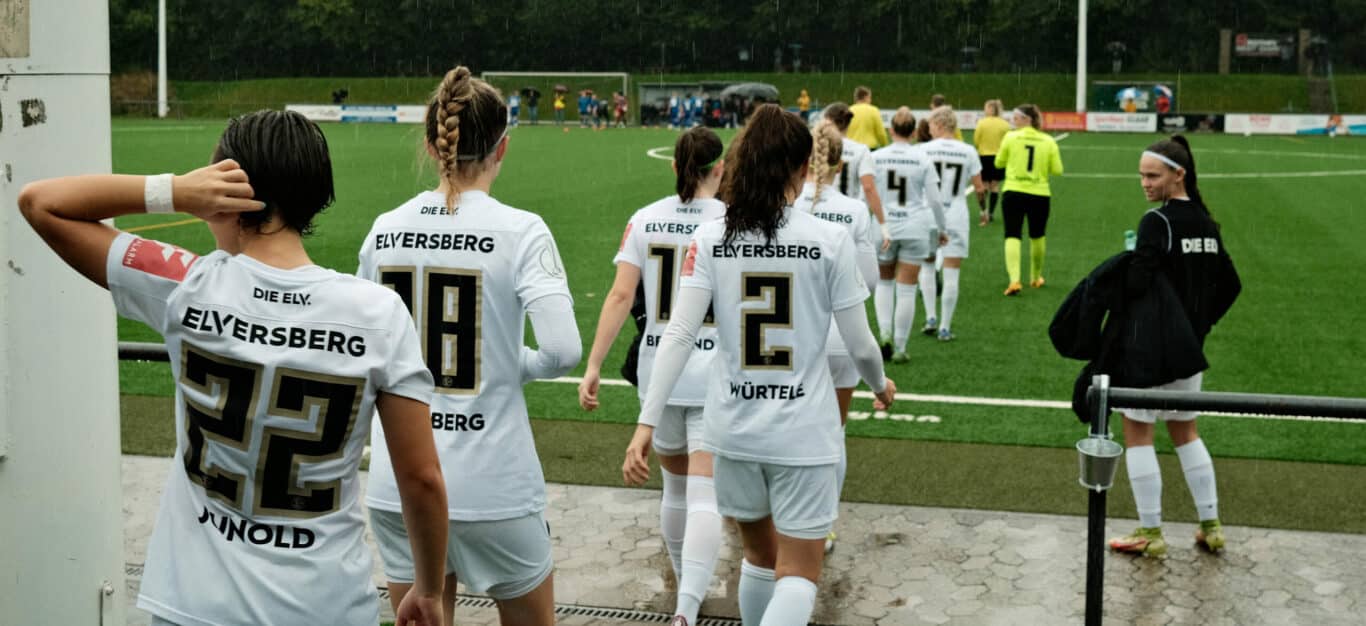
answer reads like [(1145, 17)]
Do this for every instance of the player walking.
[(1028, 156), (653, 250), (1180, 241), (277, 364), (471, 269), (775, 277), (959, 169), (991, 129), (915, 216)]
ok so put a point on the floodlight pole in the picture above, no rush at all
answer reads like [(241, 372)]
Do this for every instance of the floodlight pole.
[(162, 108), (1081, 56)]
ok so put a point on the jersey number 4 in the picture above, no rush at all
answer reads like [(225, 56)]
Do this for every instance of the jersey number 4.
[(897, 184), (448, 323), (233, 390), (774, 288)]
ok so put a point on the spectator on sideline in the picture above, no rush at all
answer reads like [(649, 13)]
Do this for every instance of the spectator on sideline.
[(533, 101), (804, 106), (866, 127), (559, 109)]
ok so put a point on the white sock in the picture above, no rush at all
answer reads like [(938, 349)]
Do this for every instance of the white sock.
[(1145, 477), (756, 589), (701, 546), (883, 301), (673, 516), (1199, 468), (938, 262), (903, 316), (929, 290), (793, 600), (950, 299)]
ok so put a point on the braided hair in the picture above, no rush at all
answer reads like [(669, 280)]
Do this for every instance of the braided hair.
[(466, 120)]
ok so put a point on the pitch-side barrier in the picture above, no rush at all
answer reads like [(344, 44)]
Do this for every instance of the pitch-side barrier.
[(1099, 455)]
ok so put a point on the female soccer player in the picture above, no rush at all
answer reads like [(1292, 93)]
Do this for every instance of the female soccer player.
[(991, 129), (1029, 157), (277, 363), (821, 200), (471, 269), (915, 216), (775, 277), (1180, 241), (653, 250), (959, 169)]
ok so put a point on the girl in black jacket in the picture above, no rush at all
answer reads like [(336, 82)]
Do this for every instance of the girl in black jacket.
[(1180, 241)]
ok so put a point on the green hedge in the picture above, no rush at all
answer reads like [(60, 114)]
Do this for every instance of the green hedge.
[(1196, 92)]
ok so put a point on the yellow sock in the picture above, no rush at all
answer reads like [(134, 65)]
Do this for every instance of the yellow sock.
[(1036, 251), (1013, 259)]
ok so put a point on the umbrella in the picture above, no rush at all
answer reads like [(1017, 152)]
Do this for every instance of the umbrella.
[(1163, 89), (755, 91), (561, 88), (1127, 93)]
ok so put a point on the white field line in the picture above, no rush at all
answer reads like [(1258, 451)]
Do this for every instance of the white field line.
[(1283, 153), (654, 153), (1062, 136), (1000, 402), (154, 129), (1243, 175)]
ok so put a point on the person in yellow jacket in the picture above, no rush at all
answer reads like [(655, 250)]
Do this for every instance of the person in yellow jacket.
[(1029, 157), (991, 129), (866, 127), (804, 106)]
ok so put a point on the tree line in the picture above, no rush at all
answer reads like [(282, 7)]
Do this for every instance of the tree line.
[(279, 38)]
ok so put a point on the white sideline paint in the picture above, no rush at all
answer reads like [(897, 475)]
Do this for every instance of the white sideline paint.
[(654, 153), (1216, 175), (1062, 136), (157, 128), (982, 401)]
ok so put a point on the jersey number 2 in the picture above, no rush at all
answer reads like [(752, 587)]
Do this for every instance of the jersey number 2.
[(775, 288), (448, 323)]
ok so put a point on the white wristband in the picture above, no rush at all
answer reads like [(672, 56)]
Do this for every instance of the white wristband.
[(886, 231), (156, 194)]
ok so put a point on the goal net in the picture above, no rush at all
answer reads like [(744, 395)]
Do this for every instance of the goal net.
[(527, 84)]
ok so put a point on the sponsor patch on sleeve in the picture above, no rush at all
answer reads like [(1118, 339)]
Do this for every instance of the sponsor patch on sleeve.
[(691, 260), (624, 236), (158, 259)]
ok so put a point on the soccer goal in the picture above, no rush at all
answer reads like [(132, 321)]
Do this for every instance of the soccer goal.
[(526, 84)]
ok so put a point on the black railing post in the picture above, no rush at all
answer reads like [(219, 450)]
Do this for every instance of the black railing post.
[(1095, 514)]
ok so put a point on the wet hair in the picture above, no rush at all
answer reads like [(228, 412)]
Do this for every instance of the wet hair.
[(937, 100), (466, 118), (827, 149), (944, 118), (993, 107), (1032, 112), (695, 154), (861, 92), (839, 114), (922, 131), (1178, 149), (762, 167), (903, 123), (285, 156)]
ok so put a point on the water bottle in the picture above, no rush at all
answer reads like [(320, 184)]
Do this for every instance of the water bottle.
[(1130, 240)]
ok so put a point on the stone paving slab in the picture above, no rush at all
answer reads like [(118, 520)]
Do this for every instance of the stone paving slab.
[(898, 565)]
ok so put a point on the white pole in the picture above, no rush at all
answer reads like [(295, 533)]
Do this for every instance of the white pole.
[(1081, 56), (162, 108)]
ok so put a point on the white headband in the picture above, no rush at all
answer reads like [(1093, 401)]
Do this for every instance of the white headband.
[(1174, 165)]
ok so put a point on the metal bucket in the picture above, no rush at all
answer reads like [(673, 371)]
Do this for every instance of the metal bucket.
[(1099, 458)]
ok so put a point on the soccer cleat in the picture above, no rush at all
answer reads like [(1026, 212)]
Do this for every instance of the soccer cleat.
[(901, 357), (1014, 289), (1144, 541), (830, 542), (945, 335), (1036, 283), (931, 326), (1211, 535)]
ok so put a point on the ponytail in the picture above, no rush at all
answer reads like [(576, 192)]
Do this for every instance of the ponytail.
[(1192, 188), (695, 154), (762, 166), (466, 119)]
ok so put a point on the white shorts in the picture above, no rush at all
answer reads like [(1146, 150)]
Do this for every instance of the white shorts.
[(802, 499), (842, 371), (679, 430), (917, 249), (1151, 416), (957, 247), (506, 558)]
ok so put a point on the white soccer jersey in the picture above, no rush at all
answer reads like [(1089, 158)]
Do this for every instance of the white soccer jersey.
[(904, 178), (956, 163), (858, 162), (771, 399), (656, 241), (851, 215), (468, 279), (276, 374)]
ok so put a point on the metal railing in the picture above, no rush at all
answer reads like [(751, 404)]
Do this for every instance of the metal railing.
[(1100, 397), (139, 351)]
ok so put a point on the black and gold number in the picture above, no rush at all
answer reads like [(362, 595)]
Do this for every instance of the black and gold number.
[(449, 322), (669, 270), (775, 289), (234, 389)]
